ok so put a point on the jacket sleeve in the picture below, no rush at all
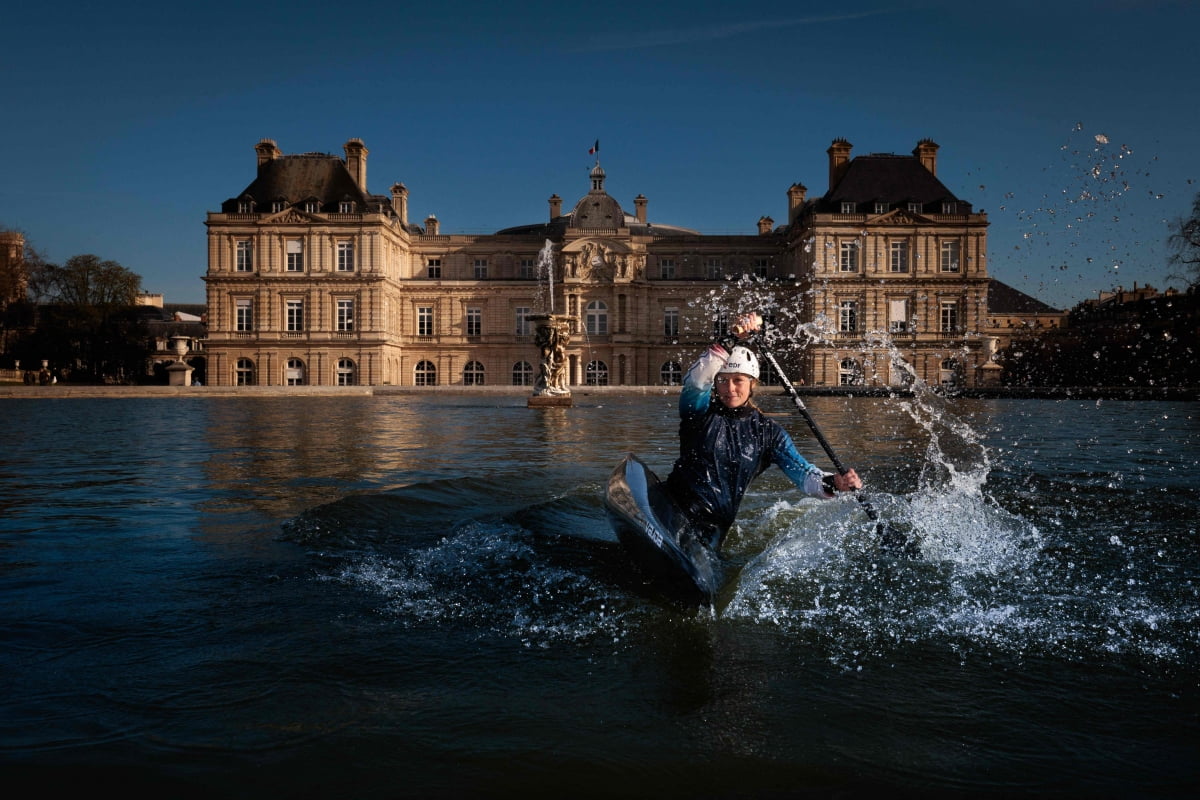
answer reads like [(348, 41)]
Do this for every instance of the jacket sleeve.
[(807, 477), (698, 383)]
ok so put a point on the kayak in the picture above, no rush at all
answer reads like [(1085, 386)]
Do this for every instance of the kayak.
[(658, 536)]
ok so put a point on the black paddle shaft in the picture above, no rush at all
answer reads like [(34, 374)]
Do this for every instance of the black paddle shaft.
[(812, 424)]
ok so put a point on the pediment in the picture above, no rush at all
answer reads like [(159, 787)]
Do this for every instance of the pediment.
[(290, 216), (898, 216), (601, 244), (597, 259)]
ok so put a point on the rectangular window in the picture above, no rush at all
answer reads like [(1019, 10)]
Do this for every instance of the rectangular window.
[(848, 316), (671, 323), (714, 269), (899, 257), (295, 255), (245, 255), (847, 207), (294, 316), (243, 314), (528, 269), (433, 268), (949, 316), (474, 322), (848, 257), (950, 255), (345, 315), (897, 316), (666, 268), (480, 269), (345, 256), (948, 207), (721, 325), (524, 326), (914, 208), (881, 208), (760, 267), (425, 321)]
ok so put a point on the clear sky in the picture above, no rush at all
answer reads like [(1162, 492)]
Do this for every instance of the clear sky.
[(1073, 124)]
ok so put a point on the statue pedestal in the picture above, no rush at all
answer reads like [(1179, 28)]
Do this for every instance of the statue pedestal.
[(179, 374), (989, 374), (550, 401)]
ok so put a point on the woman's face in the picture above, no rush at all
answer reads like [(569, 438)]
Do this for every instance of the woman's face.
[(733, 389)]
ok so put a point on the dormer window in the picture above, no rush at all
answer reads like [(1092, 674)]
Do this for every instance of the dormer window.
[(914, 208), (346, 207), (246, 205), (948, 207), (881, 207), (311, 206), (277, 206), (847, 207)]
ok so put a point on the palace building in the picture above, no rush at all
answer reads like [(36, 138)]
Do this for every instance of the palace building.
[(312, 279)]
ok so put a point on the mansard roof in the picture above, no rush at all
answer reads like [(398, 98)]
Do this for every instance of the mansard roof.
[(296, 179), (1004, 299), (887, 178)]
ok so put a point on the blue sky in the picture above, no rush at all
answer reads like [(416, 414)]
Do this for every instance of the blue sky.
[(1073, 124)]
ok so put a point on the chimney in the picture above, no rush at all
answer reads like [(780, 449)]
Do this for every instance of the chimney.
[(431, 225), (765, 224), (267, 151), (839, 159), (400, 202), (796, 194), (926, 151), (555, 207), (356, 162), (639, 203)]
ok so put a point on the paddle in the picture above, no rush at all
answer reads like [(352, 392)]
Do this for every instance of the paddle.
[(891, 538)]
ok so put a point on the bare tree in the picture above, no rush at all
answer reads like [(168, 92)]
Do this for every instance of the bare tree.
[(1185, 242), (87, 281)]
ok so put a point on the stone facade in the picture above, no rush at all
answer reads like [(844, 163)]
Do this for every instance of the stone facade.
[(314, 280)]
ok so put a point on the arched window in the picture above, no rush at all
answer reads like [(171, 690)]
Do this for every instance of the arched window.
[(473, 374), (346, 373), (522, 374), (850, 373), (951, 373), (425, 374), (767, 375), (901, 373), (294, 373), (243, 373), (671, 373), (596, 318), (596, 374)]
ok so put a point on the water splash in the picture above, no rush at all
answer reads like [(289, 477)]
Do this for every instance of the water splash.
[(545, 273)]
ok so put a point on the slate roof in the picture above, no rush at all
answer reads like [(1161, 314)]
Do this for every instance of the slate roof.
[(295, 179), (888, 178), (1004, 299)]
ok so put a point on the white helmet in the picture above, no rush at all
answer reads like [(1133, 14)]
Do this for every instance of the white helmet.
[(743, 361)]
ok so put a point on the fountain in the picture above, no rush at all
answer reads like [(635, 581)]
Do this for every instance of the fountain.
[(552, 334)]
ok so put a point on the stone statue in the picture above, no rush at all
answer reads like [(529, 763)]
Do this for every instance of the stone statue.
[(552, 337)]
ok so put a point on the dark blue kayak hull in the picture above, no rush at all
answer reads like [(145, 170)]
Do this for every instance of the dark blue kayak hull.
[(657, 535)]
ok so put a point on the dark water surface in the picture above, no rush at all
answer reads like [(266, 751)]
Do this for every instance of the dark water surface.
[(403, 596)]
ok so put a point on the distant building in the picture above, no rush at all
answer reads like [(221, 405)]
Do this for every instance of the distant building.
[(312, 279), (1012, 313)]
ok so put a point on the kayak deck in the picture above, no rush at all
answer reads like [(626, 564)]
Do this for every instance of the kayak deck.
[(657, 535)]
